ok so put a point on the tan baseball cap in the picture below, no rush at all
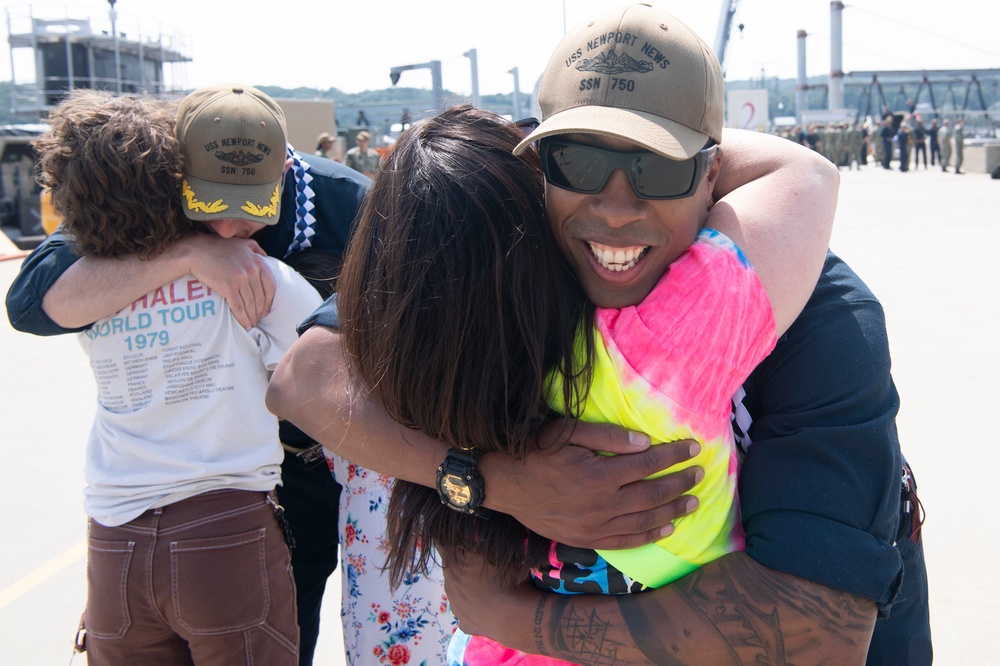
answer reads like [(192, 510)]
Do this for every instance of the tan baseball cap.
[(233, 140), (635, 73)]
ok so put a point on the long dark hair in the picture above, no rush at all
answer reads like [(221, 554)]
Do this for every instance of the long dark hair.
[(455, 304)]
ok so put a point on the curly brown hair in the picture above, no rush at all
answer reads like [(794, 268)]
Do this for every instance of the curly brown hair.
[(114, 167)]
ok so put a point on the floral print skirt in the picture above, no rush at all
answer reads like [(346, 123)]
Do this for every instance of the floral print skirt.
[(412, 626)]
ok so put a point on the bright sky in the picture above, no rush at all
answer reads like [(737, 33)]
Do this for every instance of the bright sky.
[(352, 46)]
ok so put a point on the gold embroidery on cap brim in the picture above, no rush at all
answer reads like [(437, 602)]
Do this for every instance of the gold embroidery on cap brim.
[(264, 211), (200, 206)]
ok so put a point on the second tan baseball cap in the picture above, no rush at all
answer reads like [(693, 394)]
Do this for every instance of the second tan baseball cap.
[(635, 73), (233, 140)]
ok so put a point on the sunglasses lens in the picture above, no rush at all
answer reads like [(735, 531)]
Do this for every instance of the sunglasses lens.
[(576, 167), (656, 177), (526, 125), (584, 168)]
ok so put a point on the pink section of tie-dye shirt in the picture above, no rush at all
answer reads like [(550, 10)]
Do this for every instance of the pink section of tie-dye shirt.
[(700, 332)]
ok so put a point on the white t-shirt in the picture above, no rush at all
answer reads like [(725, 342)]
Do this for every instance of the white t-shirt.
[(181, 396)]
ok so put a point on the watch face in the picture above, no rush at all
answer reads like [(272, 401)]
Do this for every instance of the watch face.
[(458, 492)]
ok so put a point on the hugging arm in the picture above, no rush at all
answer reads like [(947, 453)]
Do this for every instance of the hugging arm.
[(739, 609), (817, 567), (731, 611), (776, 200), (56, 291), (565, 493), (313, 389)]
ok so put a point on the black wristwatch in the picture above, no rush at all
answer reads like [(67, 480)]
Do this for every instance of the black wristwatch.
[(459, 484)]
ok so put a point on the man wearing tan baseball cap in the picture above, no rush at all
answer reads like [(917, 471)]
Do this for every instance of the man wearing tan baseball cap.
[(233, 139), (628, 87), (260, 197), (637, 74), (631, 79), (628, 99)]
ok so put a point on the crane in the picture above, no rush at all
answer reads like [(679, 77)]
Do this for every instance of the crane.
[(722, 33)]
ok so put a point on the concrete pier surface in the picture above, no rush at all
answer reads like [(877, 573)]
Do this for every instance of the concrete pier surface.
[(925, 241)]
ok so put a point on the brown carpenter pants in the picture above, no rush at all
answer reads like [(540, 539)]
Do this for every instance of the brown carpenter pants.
[(204, 581)]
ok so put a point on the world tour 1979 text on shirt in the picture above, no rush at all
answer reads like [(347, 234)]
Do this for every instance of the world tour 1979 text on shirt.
[(185, 304)]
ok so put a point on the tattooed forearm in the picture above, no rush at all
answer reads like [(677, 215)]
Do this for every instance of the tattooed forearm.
[(751, 628), (583, 634), (539, 615), (731, 611), (839, 613), (759, 591), (655, 644), (769, 617)]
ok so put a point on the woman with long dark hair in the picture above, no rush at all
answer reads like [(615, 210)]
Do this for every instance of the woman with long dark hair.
[(461, 316)]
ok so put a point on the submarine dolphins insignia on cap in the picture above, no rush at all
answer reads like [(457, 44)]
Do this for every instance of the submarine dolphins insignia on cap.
[(610, 63)]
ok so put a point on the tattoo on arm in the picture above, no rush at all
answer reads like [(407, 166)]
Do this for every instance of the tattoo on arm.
[(731, 611), (769, 617), (539, 613), (773, 606), (579, 630)]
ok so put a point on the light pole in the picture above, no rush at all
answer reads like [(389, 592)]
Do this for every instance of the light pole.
[(516, 115), (474, 64), (114, 35)]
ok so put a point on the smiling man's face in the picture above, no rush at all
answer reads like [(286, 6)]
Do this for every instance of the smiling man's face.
[(618, 244)]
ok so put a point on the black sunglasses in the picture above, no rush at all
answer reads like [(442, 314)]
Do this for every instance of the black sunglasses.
[(584, 168), (527, 125)]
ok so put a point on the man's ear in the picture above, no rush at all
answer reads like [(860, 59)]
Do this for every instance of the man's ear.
[(714, 169)]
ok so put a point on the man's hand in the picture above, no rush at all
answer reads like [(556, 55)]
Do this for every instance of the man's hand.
[(567, 492), (235, 269), (97, 287), (563, 491)]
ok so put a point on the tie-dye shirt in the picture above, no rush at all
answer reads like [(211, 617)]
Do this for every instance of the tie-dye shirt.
[(667, 367)]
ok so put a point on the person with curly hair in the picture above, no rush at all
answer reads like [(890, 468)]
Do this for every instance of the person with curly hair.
[(114, 168), (59, 291), (188, 561)]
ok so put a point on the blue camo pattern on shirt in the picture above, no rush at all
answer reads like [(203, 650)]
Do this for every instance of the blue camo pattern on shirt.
[(582, 571)]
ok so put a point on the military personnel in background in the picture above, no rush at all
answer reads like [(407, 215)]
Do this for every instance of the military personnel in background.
[(362, 157), (958, 141), (852, 144), (324, 144), (886, 134), (813, 138), (919, 141), (944, 142), (904, 137), (866, 132), (932, 136)]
